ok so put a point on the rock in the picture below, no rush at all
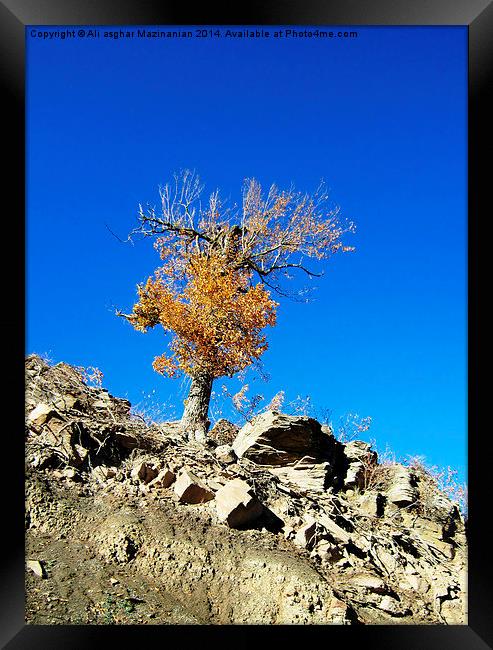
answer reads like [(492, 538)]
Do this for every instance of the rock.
[(334, 530), (288, 532), (355, 475), (382, 558), (359, 450), (36, 567), (402, 490), (305, 474), (214, 485), (307, 535), (327, 430), (371, 504), (102, 473), (224, 432), (359, 456), (390, 605), (39, 415), (127, 440), (236, 504), (368, 582), (101, 404), (164, 479), (276, 439), (294, 448), (144, 471), (225, 454), (328, 552), (81, 452), (66, 402), (191, 489)]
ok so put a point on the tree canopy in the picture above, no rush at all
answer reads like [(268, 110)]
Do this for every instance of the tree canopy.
[(219, 265)]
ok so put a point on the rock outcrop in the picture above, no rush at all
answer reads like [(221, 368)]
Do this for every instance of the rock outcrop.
[(295, 448), (281, 525)]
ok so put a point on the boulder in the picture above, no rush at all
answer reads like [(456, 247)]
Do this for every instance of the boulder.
[(307, 535), (236, 504), (191, 489), (164, 479), (359, 450), (402, 491), (39, 415), (294, 448), (273, 438), (225, 454), (144, 471)]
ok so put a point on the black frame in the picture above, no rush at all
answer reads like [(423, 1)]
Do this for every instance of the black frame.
[(478, 16)]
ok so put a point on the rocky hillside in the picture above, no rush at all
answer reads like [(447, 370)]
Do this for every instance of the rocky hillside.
[(275, 523)]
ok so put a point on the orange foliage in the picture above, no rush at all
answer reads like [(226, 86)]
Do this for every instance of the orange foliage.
[(216, 319), (204, 294)]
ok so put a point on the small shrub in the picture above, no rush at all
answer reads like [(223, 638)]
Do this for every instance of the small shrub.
[(91, 375), (444, 479)]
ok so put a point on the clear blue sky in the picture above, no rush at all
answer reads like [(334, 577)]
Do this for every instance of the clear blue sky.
[(382, 118)]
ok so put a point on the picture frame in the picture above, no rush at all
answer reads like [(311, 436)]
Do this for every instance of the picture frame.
[(14, 17)]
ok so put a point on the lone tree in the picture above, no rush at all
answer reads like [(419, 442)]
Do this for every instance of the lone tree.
[(212, 290)]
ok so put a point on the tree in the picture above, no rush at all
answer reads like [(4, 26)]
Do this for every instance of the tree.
[(219, 265)]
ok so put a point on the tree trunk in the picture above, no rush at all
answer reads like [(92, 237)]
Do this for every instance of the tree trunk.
[(194, 420)]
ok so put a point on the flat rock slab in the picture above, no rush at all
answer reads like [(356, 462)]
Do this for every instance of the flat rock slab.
[(36, 567), (305, 474)]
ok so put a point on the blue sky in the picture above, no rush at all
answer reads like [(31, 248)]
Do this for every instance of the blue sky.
[(382, 118)]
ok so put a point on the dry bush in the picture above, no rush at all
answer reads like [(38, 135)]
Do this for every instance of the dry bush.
[(444, 479), (352, 426), (91, 375), (300, 406), (152, 411), (377, 475)]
